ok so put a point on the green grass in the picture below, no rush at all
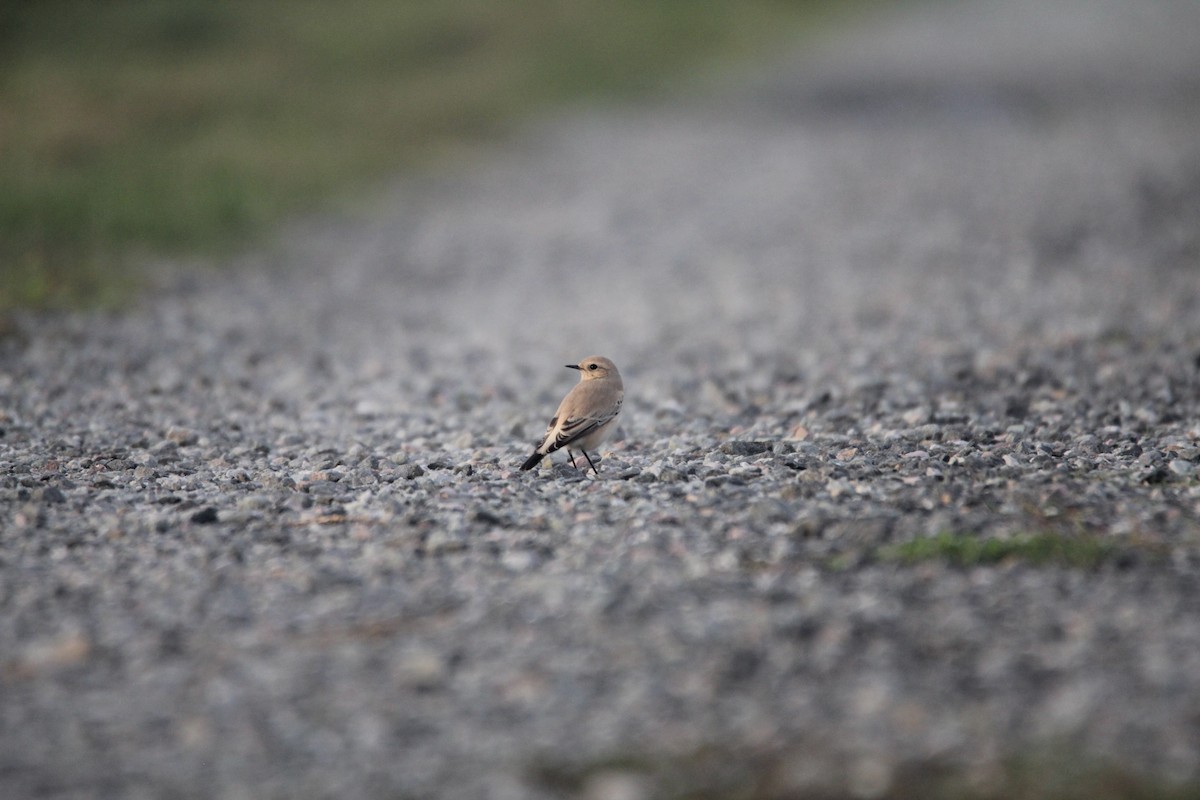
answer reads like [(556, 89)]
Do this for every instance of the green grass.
[(1053, 771), (1072, 550), (136, 128)]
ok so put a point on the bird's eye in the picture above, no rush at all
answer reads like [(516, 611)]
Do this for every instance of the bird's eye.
[(593, 366)]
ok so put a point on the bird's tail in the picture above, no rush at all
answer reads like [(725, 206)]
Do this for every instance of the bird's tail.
[(533, 460)]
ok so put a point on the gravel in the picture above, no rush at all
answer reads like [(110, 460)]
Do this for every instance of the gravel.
[(265, 535)]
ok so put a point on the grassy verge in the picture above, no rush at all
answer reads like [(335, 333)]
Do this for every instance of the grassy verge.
[(726, 772), (134, 128), (1082, 551)]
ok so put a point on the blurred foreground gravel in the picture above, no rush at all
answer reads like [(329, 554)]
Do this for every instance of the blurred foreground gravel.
[(266, 537)]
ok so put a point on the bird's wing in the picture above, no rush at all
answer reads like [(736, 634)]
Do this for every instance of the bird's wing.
[(575, 428)]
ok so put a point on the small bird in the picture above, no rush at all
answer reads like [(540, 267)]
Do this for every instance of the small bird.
[(586, 416)]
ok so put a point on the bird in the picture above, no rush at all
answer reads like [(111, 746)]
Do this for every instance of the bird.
[(587, 415)]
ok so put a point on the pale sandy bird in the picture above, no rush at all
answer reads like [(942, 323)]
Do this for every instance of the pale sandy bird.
[(587, 415)]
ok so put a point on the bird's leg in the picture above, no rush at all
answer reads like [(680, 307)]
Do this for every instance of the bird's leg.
[(589, 460), (571, 455)]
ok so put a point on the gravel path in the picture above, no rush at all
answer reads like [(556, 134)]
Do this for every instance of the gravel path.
[(266, 537)]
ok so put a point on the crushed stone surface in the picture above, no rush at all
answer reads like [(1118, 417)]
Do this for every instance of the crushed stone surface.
[(939, 275)]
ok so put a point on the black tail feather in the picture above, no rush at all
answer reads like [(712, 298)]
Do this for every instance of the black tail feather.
[(533, 460)]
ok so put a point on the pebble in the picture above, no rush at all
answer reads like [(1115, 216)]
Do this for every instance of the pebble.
[(615, 784), (1181, 467), (181, 436), (419, 668), (205, 516), (410, 471)]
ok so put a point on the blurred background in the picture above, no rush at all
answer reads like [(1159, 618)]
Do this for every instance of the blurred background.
[(132, 130)]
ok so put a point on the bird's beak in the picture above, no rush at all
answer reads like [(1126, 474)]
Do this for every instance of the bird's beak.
[(572, 366)]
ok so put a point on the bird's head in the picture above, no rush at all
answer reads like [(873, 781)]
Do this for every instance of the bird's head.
[(594, 367)]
